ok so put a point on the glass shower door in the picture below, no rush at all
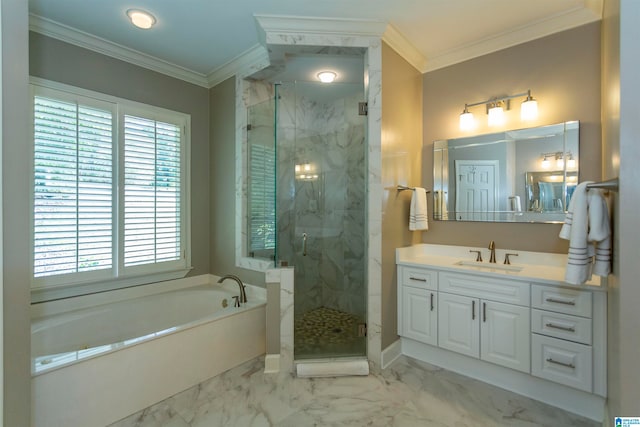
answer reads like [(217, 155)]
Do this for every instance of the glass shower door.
[(321, 214)]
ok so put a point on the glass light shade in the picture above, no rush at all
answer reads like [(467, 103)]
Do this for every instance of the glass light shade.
[(546, 164), (141, 19), (327, 76), (571, 163), (496, 116), (560, 163), (529, 109), (466, 121)]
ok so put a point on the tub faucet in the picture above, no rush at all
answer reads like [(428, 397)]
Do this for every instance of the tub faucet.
[(492, 248), (243, 294)]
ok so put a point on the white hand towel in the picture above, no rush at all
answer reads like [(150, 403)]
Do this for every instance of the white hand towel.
[(600, 231), (575, 229), (418, 211)]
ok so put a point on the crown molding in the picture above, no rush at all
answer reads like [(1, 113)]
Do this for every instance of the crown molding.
[(576, 17), (79, 38), (404, 48), (249, 61), (291, 25)]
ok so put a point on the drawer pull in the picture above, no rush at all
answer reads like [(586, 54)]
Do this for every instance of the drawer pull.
[(431, 301), (559, 301), (562, 328), (417, 279), (568, 365)]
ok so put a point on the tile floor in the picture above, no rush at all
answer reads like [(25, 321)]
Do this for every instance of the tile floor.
[(408, 393)]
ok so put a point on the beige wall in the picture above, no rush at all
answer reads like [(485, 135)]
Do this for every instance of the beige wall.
[(54, 60), (621, 155), (563, 73), (401, 165), (15, 156), (222, 161)]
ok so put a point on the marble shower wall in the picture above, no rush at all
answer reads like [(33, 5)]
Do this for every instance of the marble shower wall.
[(328, 203)]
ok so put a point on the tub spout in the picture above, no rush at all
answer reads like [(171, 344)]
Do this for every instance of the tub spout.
[(243, 294)]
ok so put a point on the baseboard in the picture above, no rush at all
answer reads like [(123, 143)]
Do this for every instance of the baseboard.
[(608, 419), (272, 364), (391, 353), (569, 399)]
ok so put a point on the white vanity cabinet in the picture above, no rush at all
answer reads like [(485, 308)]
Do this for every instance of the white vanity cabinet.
[(417, 303), (484, 328)]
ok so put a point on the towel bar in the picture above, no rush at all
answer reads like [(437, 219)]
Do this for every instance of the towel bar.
[(404, 187), (611, 185)]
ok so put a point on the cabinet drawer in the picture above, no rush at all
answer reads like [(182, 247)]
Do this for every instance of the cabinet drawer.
[(561, 300), (561, 361), (419, 278), (561, 326), (492, 289)]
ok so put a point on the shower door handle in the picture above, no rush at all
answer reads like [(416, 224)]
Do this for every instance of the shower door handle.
[(304, 244)]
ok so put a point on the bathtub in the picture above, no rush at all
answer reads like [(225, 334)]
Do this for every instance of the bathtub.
[(95, 365)]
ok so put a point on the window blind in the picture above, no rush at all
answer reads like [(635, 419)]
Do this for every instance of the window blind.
[(262, 200), (152, 188), (73, 220)]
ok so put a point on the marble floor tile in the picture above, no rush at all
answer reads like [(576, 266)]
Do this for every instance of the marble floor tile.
[(408, 393)]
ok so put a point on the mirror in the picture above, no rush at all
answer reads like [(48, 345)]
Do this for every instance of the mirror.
[(525, 175)]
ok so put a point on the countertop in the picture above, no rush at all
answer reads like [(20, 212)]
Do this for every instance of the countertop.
[(537, 267)]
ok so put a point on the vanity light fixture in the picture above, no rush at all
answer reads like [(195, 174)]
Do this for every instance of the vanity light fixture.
[(545, 164), (327, 76), (141, 19), (571, 162), (495, 108)]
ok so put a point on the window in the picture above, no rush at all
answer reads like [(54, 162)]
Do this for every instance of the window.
[(109, 189), (261, 201)]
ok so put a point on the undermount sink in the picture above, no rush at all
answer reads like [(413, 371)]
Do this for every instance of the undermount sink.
[(489, 266)]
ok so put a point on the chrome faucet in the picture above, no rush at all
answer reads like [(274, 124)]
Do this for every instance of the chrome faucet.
[(243, 294), (492, 248)]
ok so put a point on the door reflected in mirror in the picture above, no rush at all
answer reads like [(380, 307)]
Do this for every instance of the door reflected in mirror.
[(525, 175)]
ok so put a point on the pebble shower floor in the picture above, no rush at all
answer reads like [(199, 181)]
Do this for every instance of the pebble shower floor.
[(327, 332)]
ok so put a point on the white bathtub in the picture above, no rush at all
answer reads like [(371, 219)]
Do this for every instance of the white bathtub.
[(96, 365)]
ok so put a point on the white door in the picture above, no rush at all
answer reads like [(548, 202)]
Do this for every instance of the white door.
[(504, 335), (458, 324), (476, 189), (420, 317)]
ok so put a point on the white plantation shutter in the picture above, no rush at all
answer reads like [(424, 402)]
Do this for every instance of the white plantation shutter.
[(152, 191), (72, 210), (110, 192), (262, 200)]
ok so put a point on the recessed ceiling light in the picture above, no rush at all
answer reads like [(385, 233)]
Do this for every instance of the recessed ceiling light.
[(141, 19), (327, 76)]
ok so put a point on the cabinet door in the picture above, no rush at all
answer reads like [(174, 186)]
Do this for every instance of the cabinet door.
[(458, 324), (504, 335), (420, 317)]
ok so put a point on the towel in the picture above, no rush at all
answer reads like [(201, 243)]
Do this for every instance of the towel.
[(418, 211), (588, 231)]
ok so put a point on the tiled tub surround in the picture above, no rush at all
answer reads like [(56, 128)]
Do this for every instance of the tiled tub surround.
[(146, 344), (518, 326)]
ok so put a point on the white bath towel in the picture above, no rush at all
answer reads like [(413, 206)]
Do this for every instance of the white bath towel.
[(418, 215), (586, 227), (600, 231)]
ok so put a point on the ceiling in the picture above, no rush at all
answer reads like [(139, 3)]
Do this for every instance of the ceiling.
[(196, 39)]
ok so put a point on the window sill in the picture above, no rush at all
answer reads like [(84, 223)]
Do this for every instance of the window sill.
[(52, 293)]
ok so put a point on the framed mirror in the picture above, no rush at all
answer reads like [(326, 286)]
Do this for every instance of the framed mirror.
[(524, 175)]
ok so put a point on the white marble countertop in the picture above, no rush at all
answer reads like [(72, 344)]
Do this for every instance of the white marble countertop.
[(538, 267)]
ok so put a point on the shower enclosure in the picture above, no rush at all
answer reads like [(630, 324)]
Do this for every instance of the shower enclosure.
[(319, 210)]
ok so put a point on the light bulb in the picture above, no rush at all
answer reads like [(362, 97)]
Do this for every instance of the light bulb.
[(327, 76), (466, 120), (141, 19), (529, 109), (496, 115)]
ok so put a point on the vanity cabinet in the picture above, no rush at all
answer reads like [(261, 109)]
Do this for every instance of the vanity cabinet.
[(417, 303), (562, 336), (493, 331)]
